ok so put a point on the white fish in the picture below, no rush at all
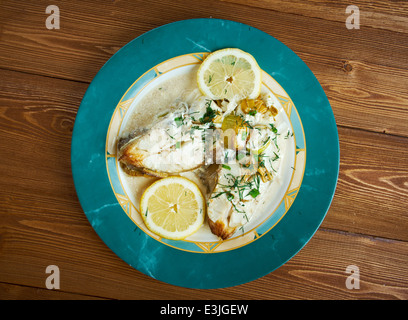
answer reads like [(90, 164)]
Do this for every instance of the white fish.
[(178, 141), (234, 199), (168, 147)]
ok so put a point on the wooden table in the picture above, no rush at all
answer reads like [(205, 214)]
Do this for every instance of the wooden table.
[(45, 73)]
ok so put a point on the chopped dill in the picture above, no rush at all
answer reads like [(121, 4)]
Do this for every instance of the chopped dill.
[(167, 131), (273, 128), (209, 113), (178, 121), (246, 217), (245, 122), (242, 229), (289, 134), (254, 193), (275, 140)]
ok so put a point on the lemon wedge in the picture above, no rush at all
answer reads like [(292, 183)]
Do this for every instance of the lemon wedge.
[(173, 207), (229, 73)]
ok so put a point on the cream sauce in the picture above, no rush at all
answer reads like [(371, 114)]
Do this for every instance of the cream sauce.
[(159, 99)]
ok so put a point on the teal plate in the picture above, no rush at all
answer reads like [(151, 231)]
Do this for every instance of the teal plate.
[(194, 264)]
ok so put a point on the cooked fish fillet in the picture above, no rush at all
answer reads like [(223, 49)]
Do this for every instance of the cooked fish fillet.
[(233, 201), (170, 146)]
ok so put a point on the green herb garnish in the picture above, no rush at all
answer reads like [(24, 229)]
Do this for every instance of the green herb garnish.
[(274, 130), (167, 131), (254, 193), (178, 121), (209, 113)]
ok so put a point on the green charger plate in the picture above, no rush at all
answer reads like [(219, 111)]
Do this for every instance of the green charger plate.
[(307, 204)]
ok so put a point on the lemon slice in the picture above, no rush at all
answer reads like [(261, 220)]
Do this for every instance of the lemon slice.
[(229, 73), (173, 207)]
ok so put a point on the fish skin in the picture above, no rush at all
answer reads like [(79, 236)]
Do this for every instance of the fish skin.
[(220, 229)]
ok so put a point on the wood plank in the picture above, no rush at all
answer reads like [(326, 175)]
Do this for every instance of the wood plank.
[(360, 96), (380, 14), (17, 292), (364, 72), (37, 116), (317, 272), (78, 49), (372, 192), (94, 38)]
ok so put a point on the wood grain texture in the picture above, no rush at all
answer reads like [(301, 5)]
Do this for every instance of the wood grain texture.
[(45, 73), (16, 292), (372, 190), (363, 95), (389, 15), (317, 272)]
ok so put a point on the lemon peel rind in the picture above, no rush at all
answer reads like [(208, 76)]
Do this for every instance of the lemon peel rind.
[(158, 230), (205, 89)]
